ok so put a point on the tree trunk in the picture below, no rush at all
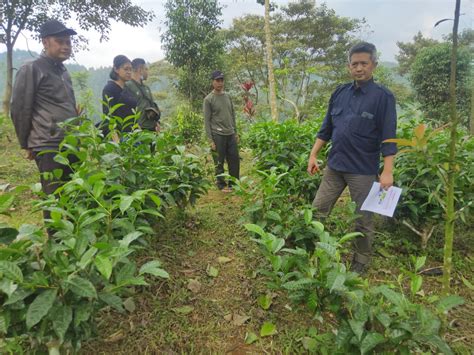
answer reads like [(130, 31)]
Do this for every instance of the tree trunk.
[(450, 214), (271, 77), (8, 88)]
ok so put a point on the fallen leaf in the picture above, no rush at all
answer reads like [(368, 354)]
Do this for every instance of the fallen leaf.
[(239, 319), (212, 271), (183, 309), (268, 329), (250, 338), (223, 260), (194, 286), (264, 301), (129, 305), (228, 317)]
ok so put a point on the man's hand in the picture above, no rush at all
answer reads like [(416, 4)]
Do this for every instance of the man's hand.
[(237, 138), (313, 166), (79, 109), (213, 146), (29, 154), (157, 128), (386, 180)]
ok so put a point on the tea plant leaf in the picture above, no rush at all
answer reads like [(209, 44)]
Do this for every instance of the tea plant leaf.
[(153, 268), (19, 295), (370, 341), (250, 338), (11, 270), (40, 307), (112, 300), (268, 329), (7, 234), (255, 228), (82, 287), (4, 322), (92, 219), (125, 203), (328, 248), (358, 327), (272, 215), (349, 237), (415, 284), (87, 258), (7, 286), (82, 313), (335, 281), (130, 237), (104, 265), (298, 285), (449, 302), (62, 317)]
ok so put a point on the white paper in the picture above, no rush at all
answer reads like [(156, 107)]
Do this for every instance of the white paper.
[(382, 201)]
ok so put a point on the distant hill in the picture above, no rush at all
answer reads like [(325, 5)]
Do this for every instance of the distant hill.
[(161, 84)]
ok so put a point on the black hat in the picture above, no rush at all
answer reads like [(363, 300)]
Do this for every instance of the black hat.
[(217, 74), (55, 28)]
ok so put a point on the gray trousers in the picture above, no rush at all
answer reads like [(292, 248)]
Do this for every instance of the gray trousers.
[(226, 150), (332, 185)]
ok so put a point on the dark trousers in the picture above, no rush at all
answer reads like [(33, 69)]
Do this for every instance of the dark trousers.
[(49, 181), (226, 150), (332, 185)]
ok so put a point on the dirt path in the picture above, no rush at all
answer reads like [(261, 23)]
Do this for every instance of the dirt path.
[(209, 304)]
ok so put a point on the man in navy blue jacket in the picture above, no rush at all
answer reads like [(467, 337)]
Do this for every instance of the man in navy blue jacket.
[(360, 116)]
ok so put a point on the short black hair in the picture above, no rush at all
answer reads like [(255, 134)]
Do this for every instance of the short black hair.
[(137, 63), (118, 62), (363, 47)]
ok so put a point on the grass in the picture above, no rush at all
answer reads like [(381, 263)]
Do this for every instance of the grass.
[(223, 309)]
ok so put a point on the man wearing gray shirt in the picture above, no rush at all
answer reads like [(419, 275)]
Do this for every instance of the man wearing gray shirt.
[(221, 131), (42, 98)]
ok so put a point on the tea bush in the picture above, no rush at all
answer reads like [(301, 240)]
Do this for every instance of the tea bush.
[(51, 288)]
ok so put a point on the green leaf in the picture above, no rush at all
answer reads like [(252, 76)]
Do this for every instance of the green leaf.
[(212, 271), (92, 219), (104, 265), (4, 322), (183, 309), (11, 271), (62, 317), (7, 234), (255, 229), (370, 341), (250, 338), (6, 200), (60, 159), (153, 268), (40, 307), (19, 295), (87, 258), (420, 261), (349, 236), (268, 329), (112, 300), (449, 302), (438, 343), (264, 301), (130, 237), (125, 203), (468, 284), (358, 327), (308, 216), (82, 313), (82, 287), (309, 344), (415, 284), (7, 286)]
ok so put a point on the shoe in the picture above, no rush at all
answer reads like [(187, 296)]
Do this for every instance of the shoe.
[(358, 268), (227, 189)]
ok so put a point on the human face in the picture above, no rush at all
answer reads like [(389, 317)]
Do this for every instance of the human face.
[(58, 47), (124, 72), (361, 67), (218, 84), (144, 72)]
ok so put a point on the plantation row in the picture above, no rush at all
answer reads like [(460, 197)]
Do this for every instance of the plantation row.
[(307, 261), (53, 288)]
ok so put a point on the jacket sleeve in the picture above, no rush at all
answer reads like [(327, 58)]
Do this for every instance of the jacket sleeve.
[(233, 115), (389, 125), (207, 117), (23, 99)]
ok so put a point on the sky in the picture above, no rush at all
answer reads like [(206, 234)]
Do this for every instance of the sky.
[(388, 21)]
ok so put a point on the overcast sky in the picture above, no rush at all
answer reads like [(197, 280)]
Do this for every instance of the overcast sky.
[(389, 21)]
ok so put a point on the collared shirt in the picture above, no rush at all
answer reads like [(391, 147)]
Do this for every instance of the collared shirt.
[(42, 97), (358, 120)]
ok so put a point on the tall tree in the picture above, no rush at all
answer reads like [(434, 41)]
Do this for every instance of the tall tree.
[(269, 57), (193, 45), (409, 50), (450, 213), (20, 15)]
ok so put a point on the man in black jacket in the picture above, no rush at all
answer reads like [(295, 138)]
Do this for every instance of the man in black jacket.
[(43, 97)]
